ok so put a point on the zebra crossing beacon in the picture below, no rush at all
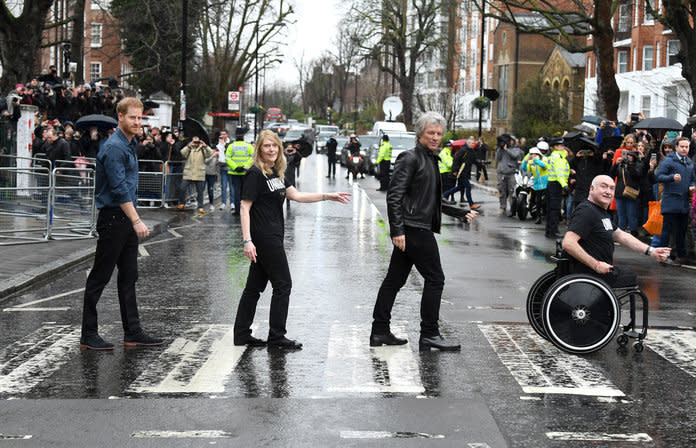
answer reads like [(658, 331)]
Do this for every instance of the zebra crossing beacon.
[(577, 305)]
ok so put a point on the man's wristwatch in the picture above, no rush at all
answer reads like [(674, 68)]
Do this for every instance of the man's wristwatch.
[(648, 251)]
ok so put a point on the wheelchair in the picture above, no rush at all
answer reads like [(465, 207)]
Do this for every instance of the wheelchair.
[(580, 313)]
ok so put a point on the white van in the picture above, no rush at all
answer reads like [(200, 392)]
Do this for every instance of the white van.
[(385, 127)]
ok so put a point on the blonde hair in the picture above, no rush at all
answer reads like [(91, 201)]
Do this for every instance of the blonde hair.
[(632, 137), (280, 163), (126, 103)]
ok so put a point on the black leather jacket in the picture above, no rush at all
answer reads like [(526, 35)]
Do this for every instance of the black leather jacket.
[(414, 198)]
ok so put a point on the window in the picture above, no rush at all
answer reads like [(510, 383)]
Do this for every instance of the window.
[(420, 78), (673, 47), (95, 71), (648, 19), (96, 35), (623, 19), (671, 99), (645, 105), (503, 89), (647, 57), (622, 62)]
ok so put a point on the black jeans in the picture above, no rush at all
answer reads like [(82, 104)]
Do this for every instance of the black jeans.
[(677, 223), (616, 278), (332, 164), (384, 175), (117, 246), (421, 251), (554, 199), (271, 264)]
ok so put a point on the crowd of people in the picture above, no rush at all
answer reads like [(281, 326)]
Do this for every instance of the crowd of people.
[(646, 169)]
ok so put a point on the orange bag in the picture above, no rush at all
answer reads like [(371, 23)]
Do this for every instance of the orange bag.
[(654, 223)]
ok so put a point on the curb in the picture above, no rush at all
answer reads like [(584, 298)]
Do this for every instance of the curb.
[(48, 271)]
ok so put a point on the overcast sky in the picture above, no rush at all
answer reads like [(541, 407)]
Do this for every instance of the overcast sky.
[(314, 32)]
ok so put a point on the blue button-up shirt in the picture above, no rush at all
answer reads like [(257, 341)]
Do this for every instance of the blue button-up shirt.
[(117, 172)]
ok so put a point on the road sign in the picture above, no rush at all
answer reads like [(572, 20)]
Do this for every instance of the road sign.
[(232, 100)]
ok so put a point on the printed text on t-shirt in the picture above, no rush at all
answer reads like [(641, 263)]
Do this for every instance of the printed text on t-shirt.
[(275, 184)]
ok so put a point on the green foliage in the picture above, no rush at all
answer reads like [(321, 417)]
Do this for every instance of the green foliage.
[(537, 112)]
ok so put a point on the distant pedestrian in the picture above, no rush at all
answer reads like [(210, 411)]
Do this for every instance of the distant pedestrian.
[(559, 171), (225, 178), (509, 159), (414, 208), (195, 153), (265, 190), (384, 161), (119, 227), (331, 145), (238, 157)]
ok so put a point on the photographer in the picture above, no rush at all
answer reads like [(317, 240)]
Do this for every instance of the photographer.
[(606, 130), (509, 159), (627, 172), (195, 154)]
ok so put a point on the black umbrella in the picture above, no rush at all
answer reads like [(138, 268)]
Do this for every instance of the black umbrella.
[(306, 142), (594, 119), (194, 128), (579, 142), (583, 128), (101, 122), (661, 123), (150, 104)]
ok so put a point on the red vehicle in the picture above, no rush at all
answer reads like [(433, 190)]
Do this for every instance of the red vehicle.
[(274, 114)]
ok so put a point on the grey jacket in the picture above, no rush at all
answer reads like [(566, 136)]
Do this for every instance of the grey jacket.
[(507, 160)]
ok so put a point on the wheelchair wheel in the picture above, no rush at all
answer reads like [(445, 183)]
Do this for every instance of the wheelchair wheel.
[(580, 314), (535, 298)]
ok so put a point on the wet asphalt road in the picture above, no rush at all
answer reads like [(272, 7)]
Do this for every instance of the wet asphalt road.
[(506, 388)]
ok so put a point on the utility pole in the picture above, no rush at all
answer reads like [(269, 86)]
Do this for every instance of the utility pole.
[(483, 48), (182, 91)]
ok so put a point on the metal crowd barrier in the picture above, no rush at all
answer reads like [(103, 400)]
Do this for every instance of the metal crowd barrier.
[(151, 185), (73, 209), (25, 190)]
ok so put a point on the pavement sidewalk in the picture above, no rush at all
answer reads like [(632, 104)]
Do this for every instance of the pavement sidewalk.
[(25, 265)]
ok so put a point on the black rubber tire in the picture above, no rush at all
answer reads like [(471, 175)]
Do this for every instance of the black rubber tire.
[(535, 299)]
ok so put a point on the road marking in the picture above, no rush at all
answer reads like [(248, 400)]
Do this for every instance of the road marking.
[(598, 437), (352, 366), (200, 434), (142, 251), (28, 306), (34, 358), (175, 233), (199, 362), (540, 368), (676, 346), (9, 437), (388, 435)]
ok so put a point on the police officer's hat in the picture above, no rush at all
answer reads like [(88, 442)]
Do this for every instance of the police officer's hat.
[(240, 132), (556, 141)]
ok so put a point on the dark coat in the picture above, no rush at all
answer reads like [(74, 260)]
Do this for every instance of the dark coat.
[(628, 171), (676, 197)]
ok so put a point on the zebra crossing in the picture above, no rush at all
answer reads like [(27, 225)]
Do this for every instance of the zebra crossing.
[(203, 359)]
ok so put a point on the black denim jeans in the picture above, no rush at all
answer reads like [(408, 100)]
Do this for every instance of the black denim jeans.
[(421, 251), (117, 246), (271, 264)]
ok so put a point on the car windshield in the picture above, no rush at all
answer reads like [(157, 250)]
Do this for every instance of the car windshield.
[(294, 134), (402, 142), (368, 140)]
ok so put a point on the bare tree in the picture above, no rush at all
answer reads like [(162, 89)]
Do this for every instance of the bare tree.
[(568, 24), (20, 38), (237, 36), (304, 71), (395, 34), (347, 56), (680, 17)]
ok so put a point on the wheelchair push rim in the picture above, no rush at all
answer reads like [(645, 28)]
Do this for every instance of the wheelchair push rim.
[(580, 314), (535, 300)]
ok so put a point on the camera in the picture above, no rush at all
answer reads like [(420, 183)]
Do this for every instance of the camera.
[(635, 117)]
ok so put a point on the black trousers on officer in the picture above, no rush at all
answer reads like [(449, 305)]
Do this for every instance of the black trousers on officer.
[(384, 175), (271, 264), (554, 199), (421, 251), (117, 246), (332, 164)]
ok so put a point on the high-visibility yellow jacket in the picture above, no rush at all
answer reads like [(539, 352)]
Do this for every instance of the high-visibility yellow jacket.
[(446, 160), (239, 154), (385, 152), (559, 169)]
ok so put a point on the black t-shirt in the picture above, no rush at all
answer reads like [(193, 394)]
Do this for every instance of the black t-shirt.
[(596, 231), (267, 194)]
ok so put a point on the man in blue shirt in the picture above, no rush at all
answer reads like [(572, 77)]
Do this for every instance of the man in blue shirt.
[(119, 227)]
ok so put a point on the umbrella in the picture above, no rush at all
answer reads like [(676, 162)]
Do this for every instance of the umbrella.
[(101, 122), (306, 142), (660, 123), (594, 119), (583, 128), (578, 142), (458, 144), (150, 105), (194, 128)]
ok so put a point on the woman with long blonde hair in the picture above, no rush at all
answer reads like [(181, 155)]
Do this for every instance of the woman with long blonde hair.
[(263, 194)]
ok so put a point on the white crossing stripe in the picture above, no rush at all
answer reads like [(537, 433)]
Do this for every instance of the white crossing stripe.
[(201, 434), (598, 437), (9, 437), (34, 358), (352, 366), (199, 362), (676, 346), (540, 368), (28, 306), (388, 435)]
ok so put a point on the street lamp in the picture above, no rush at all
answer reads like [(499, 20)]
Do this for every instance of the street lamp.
[(256, 75)]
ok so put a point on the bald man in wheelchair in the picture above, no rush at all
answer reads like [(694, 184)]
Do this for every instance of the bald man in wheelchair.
[(591, 235)]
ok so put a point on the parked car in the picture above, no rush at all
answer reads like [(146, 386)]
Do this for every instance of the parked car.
[(400, 142), (293, 134), (388, 127)]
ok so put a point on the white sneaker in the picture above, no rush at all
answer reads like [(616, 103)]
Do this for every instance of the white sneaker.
[(212, 208), (223, 206)]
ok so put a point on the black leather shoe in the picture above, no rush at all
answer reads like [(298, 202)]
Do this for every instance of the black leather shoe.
[(284, 344), (95, 343), (378, 340), (439, 343), (141, 339), (251, 342), (538, 221)]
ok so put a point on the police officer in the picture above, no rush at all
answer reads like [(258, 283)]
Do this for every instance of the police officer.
[(559, 171), (239, 158), (445, 167), (384, 162)]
